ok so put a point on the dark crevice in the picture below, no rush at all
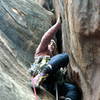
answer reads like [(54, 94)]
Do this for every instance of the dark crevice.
[(59, 40)]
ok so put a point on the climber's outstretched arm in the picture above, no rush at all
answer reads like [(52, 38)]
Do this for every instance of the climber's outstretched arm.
[(48, 36)]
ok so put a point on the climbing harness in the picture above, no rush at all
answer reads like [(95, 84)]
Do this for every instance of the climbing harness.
[(38, 65)]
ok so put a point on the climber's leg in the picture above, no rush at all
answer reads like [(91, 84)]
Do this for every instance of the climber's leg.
[(56, 62), (70, 92)]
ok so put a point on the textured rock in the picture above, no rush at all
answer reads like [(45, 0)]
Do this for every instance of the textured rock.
[(10, 90), (81, 39), (22, 24), (47, 4)]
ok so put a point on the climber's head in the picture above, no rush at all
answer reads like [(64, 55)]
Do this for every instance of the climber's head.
[(52, 47)]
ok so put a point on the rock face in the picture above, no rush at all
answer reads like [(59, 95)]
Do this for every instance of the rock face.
[(22, 24), (81, 39), (47, 4)]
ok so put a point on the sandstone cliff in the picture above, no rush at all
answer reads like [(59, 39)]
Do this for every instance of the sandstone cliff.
[(22, 23), (81, 39)]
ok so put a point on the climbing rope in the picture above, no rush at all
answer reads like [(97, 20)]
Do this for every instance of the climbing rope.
[(34, 89), (56, 91), (35, 92)]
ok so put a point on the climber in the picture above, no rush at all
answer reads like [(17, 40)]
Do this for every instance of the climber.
[(46, 65)]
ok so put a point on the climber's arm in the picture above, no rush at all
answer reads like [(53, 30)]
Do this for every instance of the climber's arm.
[(48, 36)]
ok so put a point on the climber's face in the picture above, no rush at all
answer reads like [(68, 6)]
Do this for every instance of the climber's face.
[(52, 46)]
